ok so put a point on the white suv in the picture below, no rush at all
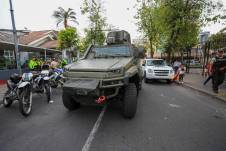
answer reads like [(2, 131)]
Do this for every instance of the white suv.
[(157, 69)]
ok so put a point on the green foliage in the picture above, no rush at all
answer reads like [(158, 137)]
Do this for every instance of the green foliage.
[(63, 16), (147, 17), (94, 33), (68, 38), (175, 24), (218, 41)]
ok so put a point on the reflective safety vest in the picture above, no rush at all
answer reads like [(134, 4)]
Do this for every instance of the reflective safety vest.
[(63, 63), (32, 64)]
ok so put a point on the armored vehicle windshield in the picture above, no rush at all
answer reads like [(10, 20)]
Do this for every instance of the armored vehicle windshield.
[(112, 51)]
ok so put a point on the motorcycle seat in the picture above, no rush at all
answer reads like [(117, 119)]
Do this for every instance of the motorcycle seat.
[(15, 78)]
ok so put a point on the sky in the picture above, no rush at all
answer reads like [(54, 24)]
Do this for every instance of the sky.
[(37, 15)]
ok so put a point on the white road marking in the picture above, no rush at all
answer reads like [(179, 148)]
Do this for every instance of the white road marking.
[(162, 95), (174, 105), (89, 140)]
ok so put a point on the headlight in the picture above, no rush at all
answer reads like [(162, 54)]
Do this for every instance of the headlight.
[(150, 71), (66, 69), (171, 71), (117, 71)]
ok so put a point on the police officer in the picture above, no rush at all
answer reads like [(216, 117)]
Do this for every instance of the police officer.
[(218, 71), (63, 63), (32, 63)]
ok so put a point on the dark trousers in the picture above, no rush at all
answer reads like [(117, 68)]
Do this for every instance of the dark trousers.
[(217, 79), (208, 79), (181, 77)]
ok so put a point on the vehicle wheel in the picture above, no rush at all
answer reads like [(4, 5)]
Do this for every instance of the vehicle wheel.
[(140, 85), (25, 101), (145, 79), (48, 91), (130, 101), (169, 81), (6, 101), (69, 102), (54, 84)]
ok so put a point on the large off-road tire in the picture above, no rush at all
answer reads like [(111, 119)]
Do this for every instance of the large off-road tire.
[(129, 107), (25, 101), (69, 102), (6, 101)]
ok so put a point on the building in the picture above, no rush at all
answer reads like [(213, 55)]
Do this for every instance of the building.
[(38, 43)]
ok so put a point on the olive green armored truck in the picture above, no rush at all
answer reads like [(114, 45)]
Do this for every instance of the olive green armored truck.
[(106, 73)]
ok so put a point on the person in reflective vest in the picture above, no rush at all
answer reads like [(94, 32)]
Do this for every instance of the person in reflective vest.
[(63, 63), (33, 63)]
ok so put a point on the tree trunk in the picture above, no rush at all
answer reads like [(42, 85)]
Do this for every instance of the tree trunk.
[(65, 23), (151, 48), (169, 56)]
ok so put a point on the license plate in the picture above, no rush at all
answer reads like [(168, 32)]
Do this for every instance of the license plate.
[(81, 92)]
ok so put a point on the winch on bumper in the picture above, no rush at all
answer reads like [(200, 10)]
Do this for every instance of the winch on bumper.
[(93, 88)]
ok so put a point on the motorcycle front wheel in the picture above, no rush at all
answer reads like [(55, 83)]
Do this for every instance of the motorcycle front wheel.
[(25, 101), (47, 91), (54, 84), (6, 101)]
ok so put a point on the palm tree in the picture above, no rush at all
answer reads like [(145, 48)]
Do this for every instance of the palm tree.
[(63, 16)]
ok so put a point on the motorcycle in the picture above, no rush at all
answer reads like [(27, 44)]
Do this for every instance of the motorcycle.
[(19, 88), (41, 83), (57, 78)]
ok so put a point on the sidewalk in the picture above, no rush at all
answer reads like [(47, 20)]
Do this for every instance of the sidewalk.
[(195, 80), (2, 91)]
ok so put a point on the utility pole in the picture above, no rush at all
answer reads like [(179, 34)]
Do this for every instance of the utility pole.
[(16, 51)]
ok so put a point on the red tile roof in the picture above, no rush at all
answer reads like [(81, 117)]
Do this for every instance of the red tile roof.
[(50, 44), (32, 36)]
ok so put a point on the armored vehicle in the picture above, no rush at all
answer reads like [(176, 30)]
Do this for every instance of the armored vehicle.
[(106, 73)]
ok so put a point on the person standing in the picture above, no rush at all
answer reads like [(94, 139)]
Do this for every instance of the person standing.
[(54, 63), (210, 68), (32, 63), (176, 65), (218, 71), (181, 72)]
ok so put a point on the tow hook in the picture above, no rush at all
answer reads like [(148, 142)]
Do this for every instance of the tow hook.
[(101, 99)]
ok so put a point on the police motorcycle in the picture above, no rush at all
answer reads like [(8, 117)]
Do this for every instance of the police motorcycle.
[(41, 82), (19, 88), (57, 78)]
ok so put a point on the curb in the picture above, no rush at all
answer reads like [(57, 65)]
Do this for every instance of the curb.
[(186, 85), (3, 82)]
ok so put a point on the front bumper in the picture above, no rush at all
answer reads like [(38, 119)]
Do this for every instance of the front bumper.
[(94, 87), (164, 77)]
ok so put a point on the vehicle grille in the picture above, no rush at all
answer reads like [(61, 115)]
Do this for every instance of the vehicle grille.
[(161, 72)]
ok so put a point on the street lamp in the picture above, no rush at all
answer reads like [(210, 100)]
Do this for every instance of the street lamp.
[(16, 51)]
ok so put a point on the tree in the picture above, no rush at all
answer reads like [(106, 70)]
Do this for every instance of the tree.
[(94, 33), (176, 23), (68, 38), (147, 22), (184, 21), (63, 16)]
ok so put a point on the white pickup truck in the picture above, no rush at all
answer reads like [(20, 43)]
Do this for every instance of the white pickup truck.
[(157, 69)]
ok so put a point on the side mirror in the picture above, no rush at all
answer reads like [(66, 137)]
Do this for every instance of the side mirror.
[(141, 53)]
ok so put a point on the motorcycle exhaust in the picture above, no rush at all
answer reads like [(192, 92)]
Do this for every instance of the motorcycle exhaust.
[(101, 99)]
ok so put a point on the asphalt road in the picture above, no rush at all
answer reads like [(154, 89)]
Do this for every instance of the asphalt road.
[(169, 118)]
